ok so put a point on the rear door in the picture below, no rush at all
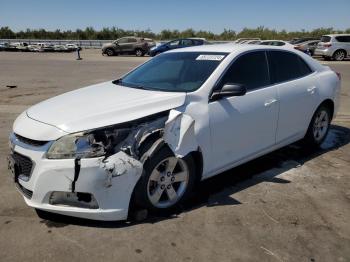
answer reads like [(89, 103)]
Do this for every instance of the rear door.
[(297, 91), (344, 43), (126, 44)]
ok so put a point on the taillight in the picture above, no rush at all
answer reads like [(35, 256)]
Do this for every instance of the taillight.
[(338, 75), (327, 45)]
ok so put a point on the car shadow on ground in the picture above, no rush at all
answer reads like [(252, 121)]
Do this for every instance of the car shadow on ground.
[(218, 190)]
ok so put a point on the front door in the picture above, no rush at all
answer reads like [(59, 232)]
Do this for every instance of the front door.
[(243, 126)]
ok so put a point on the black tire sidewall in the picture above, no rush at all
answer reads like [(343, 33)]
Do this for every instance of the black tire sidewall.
[(141, 196), (109, 52), (335, 54), (310, 138)]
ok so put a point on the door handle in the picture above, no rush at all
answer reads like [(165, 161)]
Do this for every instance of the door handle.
[(311, 89), (270, 102)]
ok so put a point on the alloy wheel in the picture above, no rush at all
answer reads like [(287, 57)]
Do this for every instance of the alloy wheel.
[(168, 182), (321, 125)]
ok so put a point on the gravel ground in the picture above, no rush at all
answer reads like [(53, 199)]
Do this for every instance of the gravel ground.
[(291, 205)]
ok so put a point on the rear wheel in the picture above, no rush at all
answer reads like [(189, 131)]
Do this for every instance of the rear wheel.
[(339, 55), (139, 52), (166, 182), (319, 127)]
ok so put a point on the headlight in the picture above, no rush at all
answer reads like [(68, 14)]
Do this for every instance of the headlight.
[(88, 144)]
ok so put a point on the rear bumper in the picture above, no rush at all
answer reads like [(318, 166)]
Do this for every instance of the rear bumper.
[(323, 52)]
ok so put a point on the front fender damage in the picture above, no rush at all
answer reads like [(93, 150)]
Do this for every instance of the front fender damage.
[(176, 130), (124, 159)]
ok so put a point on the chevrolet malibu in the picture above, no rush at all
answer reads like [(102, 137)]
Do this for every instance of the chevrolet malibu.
[(145, 139)]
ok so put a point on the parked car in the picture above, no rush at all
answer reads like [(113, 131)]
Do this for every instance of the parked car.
[(60, 48), (72, 47), (253, 42), (307, 46), (2, 46), (128, 45), (181, 117), (21, 46), (8, 47), (335, 46), (276, 43), (296, 41), (174, 44), (34, 48), (240, 40)]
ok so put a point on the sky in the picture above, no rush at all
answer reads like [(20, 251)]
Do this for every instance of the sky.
[(212, 15)]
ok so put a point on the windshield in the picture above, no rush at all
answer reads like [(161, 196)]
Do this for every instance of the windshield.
[(176, 72)]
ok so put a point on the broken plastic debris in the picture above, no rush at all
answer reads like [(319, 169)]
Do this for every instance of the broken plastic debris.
[(120, 164)]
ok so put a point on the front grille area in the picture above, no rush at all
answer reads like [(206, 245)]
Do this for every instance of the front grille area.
[(30, 141), (24, 164)]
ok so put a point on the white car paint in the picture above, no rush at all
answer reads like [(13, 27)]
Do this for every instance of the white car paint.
[(228, 132)]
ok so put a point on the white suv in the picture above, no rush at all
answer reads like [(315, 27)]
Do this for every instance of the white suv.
[(335, 47), (181, 117)]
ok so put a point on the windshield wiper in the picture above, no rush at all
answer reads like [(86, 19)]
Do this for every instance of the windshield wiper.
[(119, 81)]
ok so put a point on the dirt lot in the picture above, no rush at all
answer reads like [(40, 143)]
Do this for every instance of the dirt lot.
[(292, 205)]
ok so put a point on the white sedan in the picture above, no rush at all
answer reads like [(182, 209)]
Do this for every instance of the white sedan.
[(186, 115)]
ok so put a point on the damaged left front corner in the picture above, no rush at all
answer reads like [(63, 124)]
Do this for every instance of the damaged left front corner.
[(177, 131)]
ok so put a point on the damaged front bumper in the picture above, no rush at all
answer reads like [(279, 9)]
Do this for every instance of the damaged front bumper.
[(99, 193), (98, 188)]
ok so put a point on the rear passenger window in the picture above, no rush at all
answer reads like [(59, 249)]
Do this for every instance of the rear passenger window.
[(249, 70), (186, 42), (285, 66), (343, 38)]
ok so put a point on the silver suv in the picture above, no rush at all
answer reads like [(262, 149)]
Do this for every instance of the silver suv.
[(335, 47)]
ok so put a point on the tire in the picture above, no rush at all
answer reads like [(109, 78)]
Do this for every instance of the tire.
[(162, 191), (319, 127), (339, 55), (139, 52), (109, 52)]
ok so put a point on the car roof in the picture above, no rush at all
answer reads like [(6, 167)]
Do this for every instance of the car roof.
[(273, 40), (228, 48), (331, 35)]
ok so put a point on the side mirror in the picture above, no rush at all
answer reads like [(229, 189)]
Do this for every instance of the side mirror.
[(229, 90)]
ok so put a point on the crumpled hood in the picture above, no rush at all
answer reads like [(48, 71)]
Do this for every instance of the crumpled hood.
[(102, 105)]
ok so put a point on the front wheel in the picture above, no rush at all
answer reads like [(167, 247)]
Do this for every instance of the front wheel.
[(319, 127), (167, 181), (109, 52)]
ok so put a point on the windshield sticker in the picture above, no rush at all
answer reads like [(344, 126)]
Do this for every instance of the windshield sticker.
[(210, 57)]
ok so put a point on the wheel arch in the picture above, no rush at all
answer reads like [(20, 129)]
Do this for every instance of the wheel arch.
[(340, 49), (328, 103)]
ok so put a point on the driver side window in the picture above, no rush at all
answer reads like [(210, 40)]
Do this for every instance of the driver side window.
[(249, 70)]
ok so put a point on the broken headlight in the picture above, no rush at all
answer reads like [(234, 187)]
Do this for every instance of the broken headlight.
[(89, 144)]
